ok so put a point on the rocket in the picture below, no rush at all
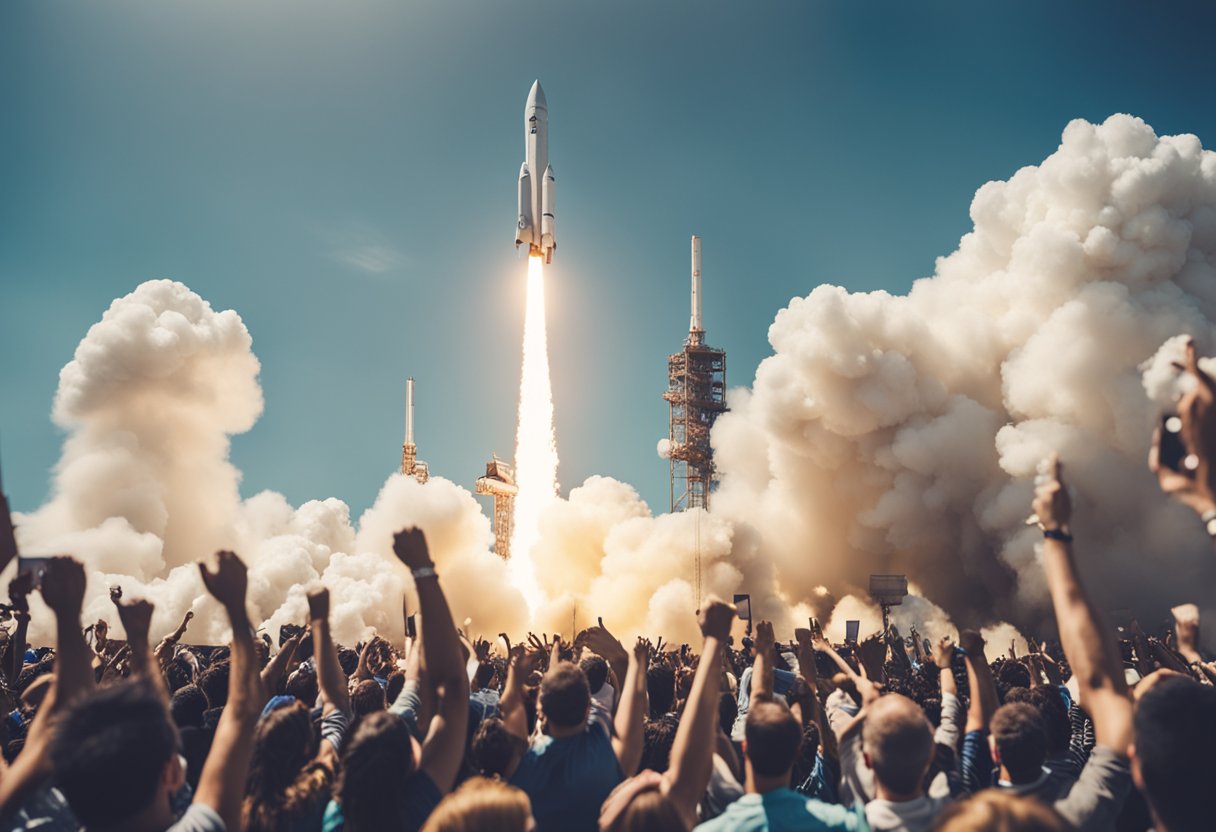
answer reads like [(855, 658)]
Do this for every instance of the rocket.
[(535, 226)]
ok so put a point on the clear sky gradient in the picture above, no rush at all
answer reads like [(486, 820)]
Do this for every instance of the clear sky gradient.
[(343, 174)]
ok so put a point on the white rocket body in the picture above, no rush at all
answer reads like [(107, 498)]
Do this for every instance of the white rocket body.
[(537, 192)]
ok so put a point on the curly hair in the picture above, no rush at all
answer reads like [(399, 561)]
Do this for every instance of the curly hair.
[(285, 780)]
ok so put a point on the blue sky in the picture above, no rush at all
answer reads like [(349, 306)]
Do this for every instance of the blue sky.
[(343, 175)]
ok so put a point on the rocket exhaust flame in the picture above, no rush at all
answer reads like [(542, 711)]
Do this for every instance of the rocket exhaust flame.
[(535, 447)]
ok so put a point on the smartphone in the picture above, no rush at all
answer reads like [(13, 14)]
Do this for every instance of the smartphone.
[(411, 629), (1171, 450), (34, 567)]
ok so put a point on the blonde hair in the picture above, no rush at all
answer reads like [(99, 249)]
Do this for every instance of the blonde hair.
[(482, 805), (992, 810)]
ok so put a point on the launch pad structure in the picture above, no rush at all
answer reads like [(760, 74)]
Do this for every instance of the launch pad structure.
[(696, 393), (411, 466), (499, 483)]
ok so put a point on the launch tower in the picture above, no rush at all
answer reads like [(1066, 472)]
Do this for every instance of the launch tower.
[(499, 483), (411, 466), (696, 393)]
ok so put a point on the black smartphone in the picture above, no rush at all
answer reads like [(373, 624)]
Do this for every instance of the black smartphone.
[(1171, 450), (411, 629), (34, 566)]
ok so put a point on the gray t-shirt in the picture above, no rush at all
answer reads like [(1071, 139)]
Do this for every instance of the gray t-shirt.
[(199, 818)]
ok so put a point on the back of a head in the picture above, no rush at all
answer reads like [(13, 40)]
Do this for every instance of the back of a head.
[(1021, 738), (110, 750), (648, 810), (303, 685), (1053, 710), (1175, 727), (482, 805), (377, 761), (565, 695), (597, 672), (898, 740), (773, 738), (992, 810), (484, 674), (660, 689), (284, 741), (367, 697), (187, 707), (493, 747), (214, 683), (658, 736)]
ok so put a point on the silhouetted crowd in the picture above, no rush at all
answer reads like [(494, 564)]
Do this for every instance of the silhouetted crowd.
[(1102, 729)]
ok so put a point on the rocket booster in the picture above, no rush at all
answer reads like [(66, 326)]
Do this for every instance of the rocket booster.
[(535, 226)]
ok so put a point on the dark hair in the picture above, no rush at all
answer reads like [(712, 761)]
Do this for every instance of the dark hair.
[(1051, 707), (396, 681), (773, 738), (658, 735), (493, 748), (282, 784), (728, 712), (366, 698), (1021, 739), (303, 686), (597, 672), (178, 674), (187, 707), (214, 683), (564, 695), (349, 660), (1175, 727), (1014, 675), (484, 675), (110, 750), (376, 764), (661, 689), (29, 673)]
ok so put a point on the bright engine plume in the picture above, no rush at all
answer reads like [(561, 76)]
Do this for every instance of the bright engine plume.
[(535, 448)]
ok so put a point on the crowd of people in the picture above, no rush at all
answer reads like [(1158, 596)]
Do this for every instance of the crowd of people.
[(1102, 729)]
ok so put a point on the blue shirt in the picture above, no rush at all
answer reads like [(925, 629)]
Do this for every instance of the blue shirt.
[(568, 779), (784, 810), (419, 800)]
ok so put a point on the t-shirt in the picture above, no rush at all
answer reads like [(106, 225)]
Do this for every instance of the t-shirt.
[(784, 810), (905, 816), (47, 811), (568, 779), (421, 796), (199, 818)]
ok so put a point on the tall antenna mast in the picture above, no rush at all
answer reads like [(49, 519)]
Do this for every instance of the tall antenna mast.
[(695, 330)]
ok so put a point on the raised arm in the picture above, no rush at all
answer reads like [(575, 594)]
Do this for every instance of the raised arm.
[(605, 645), (1090, 649), (276, 668), (806, 667), (979, 678), (511, 706), (222, 782), (443, 748), (136, 618), (330, 677), (692, 755), (762, 668), (18, 591), (63, 584), (631, 712), (164, 650)]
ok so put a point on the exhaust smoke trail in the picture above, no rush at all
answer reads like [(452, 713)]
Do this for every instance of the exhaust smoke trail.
[(535, 447)]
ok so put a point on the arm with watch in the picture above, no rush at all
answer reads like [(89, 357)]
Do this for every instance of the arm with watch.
[(443, 748)]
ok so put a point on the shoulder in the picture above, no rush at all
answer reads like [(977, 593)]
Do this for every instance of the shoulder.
[(199, 818)]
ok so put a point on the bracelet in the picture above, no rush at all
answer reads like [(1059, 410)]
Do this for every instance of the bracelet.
[(1057, 534), (424, 572)]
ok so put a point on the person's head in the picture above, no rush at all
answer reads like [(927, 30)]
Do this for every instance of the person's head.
[(115, 756), (214, 684), (178, 674), (660, 689), (1019, 741), (283, 742), (1051, 707), (897, 743), (187, 707), (495, 750), (1175, 732), (303, 685), (349, 660), (377, 761), (771, 740), (597, 672), (658, 735), (728, 712), (1013, 675), (396, 681), (483, 676), (993, 810), (367, 697), (639, 805), (482, 805), (565, 697)]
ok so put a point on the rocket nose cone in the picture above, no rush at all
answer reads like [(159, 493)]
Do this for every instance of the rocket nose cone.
[(536, 97)]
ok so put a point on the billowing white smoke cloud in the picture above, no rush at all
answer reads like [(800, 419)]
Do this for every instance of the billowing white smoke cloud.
[(145, 488), (901, 434), (885, 434)]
